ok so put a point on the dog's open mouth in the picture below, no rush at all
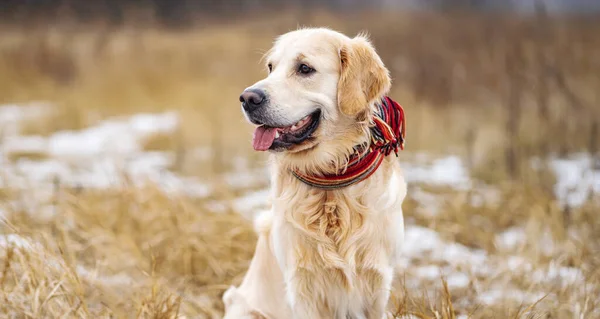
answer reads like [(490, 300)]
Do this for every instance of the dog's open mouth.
[(277, 138)]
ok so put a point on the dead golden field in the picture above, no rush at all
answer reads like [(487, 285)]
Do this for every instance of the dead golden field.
[(491, 92)]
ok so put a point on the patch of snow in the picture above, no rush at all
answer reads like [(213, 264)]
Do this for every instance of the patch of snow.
[(429, 204), (251, 202), (14, 241), (448, 170), (104, 156), (112, 136), (555, 273), (517, 263), (430, 272), (247, 179), (514, 238), (454, 279), (11, 116), (457, 280), (511, 239), (498, 294), (44, 171), (25, 144), (485, 195), (113, 280), (174, 184), (491, 297), (576, 178), (419, 239), (146, 124), (458, 254), (421, 242)]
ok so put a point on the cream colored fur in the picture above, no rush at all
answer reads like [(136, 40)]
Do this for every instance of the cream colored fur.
[(324, 254)]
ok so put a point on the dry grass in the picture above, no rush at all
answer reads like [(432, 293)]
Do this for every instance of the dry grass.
[(137, 252), (553, 236), (101, 254), (140, 253)]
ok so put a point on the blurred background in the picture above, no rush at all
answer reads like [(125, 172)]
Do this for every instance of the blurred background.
[(500, 81), (120, 125)]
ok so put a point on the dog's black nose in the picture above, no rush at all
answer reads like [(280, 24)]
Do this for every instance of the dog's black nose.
[(252, 99)]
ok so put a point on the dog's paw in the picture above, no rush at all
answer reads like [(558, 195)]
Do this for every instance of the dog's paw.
[(229, 296), (236, 306)]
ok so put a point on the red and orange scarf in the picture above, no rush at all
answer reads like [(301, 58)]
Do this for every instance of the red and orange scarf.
[(387, 136)]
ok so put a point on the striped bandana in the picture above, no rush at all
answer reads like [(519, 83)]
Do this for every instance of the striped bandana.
[(387, 136)]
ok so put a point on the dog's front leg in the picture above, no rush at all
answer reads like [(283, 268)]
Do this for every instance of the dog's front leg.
[(376, 286), (261, 294), (305, 295)]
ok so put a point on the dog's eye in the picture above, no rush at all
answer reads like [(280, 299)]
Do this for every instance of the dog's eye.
[(305, 69), (270, 66)]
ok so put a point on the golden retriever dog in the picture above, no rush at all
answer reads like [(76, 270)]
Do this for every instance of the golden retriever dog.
[(322, 252)]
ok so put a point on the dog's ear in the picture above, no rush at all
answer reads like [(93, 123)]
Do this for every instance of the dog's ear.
[(363, 78)]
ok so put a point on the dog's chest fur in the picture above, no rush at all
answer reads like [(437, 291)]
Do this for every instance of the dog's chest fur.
[(340, 242)]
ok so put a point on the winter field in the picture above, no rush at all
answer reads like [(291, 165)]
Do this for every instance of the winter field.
[(128, 190)]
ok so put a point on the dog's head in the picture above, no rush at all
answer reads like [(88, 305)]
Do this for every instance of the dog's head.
[(316, 102)]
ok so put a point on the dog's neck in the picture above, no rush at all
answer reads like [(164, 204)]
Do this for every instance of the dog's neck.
[(345, 164), (290, 195), (328, 157)]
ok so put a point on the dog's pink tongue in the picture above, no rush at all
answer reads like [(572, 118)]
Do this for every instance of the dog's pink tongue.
[(263, 138)]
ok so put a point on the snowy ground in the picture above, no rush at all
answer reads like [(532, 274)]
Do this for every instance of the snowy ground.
[(578, 178), (110, 155)]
